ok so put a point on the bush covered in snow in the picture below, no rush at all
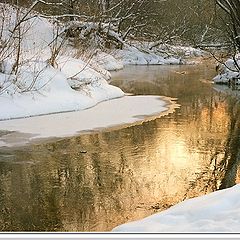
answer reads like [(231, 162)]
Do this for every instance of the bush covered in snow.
[(39, 71), (229, 72), (39, 59)]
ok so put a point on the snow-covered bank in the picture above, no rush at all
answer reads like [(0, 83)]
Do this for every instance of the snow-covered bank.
[(123, 51), (53, 91), (131, 55), (214, 213), (140, 54), (41, 73), (113, 113), (164, 54), (41, 81), (107, 61), (229, 72)]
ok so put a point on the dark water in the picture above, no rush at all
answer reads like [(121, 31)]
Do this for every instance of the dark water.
[(96, 182)]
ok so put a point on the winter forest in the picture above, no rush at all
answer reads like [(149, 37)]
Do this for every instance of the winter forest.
[(120, 116)]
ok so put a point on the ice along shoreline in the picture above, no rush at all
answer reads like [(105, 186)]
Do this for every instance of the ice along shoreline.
[(108, 115)]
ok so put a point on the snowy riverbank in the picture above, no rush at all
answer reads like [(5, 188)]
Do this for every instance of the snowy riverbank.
[(118, 112), (229, 72), (52, 92), (214, 213), (39, 85), (43, 74), (140, 54)]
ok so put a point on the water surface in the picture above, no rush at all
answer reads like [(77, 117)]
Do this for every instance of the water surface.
[(97, 181)]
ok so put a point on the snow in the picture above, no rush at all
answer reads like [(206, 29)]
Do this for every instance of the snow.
[(52, 93), (69, 84), (183, 50), (39, 88), (37, 32), (80, 73), (132, 52), (144, 54), (213, 213), (107, 61), (228, 72), (131, 55), (225, 77), (117, 112)]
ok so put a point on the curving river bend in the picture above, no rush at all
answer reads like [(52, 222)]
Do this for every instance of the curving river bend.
[(97, 181)]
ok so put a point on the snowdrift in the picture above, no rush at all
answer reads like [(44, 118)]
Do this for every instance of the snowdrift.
[(37, 87), (214, 213), (229, 72)]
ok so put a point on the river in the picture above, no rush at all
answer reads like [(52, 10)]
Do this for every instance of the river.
[(97, 181)]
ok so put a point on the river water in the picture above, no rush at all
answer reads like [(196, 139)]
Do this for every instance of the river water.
[(97, 181)]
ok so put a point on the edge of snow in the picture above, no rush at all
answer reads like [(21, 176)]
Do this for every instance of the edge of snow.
[(213, 213), (113, 114)]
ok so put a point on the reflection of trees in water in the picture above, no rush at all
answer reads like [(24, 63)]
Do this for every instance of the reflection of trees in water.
[(27, 199), (121, 177), (228, 165), (164, 80), (224, 164), (232, 149), (82, 190), (97, 181)]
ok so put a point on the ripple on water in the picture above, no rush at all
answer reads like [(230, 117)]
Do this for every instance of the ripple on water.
[(127, 174)]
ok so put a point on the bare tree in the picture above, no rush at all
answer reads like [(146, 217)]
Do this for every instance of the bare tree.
[(232, 9), (13, 29)]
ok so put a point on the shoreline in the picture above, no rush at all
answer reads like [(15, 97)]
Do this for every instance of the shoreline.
[(45, 128)]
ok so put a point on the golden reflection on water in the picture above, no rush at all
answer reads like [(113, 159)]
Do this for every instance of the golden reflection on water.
[(98, 181)]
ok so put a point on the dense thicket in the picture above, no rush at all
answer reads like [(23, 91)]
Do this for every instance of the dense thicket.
[(232, 10), (195, 22)]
